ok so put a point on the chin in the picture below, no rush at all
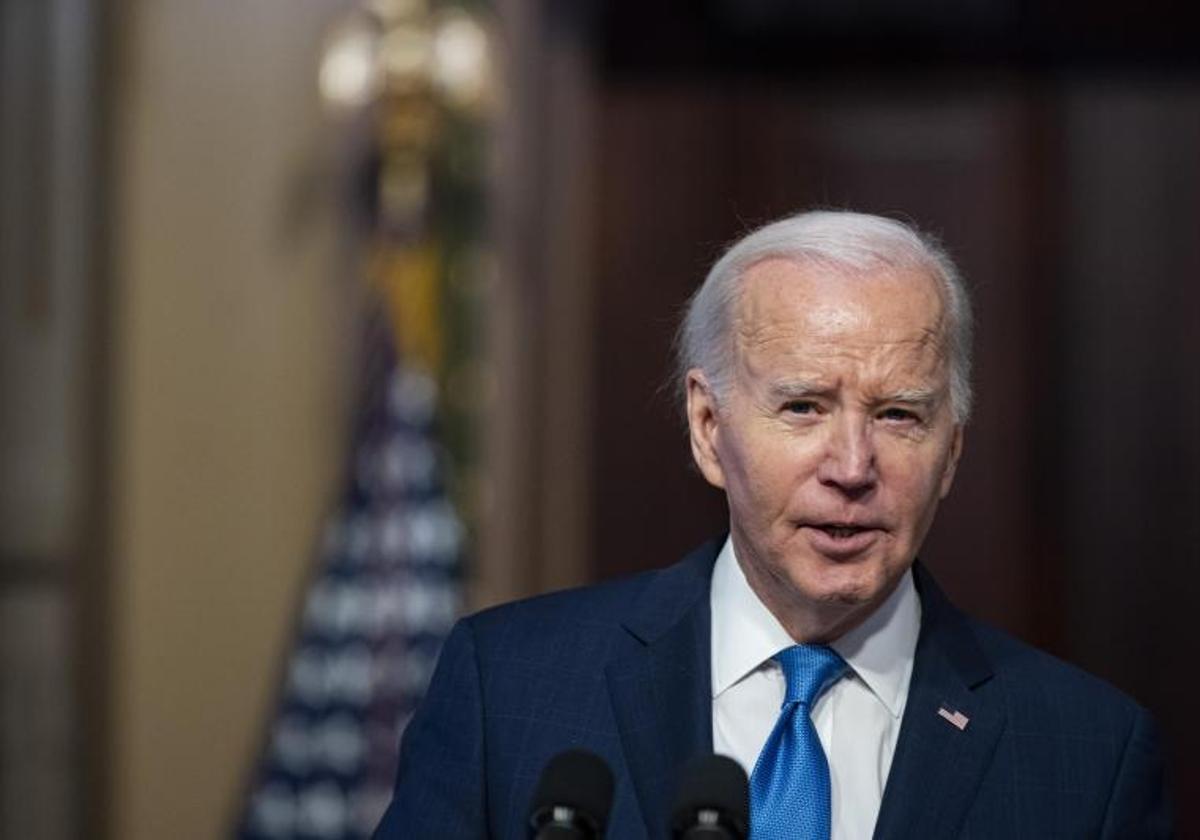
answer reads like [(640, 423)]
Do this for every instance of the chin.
[(847, 584)]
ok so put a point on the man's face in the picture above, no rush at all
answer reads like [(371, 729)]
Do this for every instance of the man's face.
[(835, 439)]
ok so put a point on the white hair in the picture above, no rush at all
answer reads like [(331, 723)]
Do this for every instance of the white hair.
[(840, 239)]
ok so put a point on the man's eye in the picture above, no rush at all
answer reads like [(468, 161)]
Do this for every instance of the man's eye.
[(898, 415), (800, 407)]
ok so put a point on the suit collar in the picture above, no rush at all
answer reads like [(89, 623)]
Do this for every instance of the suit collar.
[(952, 722), (672, 593), (945, 624), (659, 679)]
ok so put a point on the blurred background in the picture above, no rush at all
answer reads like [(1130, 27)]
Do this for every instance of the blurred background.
[(322, 321)]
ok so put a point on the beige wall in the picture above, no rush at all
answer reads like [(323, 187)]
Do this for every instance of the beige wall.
[(232, 323)]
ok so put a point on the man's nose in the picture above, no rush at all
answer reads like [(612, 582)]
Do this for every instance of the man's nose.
[(849, 463)]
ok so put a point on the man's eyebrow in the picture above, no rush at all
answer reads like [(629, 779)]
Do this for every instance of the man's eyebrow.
[(913, 396), (795, 389), (799, 388)]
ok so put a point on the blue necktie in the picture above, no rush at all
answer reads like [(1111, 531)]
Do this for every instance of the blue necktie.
[(789, 788)]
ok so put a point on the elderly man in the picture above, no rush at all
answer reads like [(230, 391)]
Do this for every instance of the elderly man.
[(826, 367)]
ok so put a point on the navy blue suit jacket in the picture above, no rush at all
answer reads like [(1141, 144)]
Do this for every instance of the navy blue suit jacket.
[(623, 669)]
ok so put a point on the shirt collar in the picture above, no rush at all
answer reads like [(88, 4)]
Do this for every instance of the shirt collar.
[(746, 634)]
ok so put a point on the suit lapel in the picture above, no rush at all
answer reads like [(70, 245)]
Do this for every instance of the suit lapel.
[(660, 682), (950, 728)]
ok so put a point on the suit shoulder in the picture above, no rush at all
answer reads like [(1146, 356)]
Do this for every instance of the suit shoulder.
[(1034, 678), (554, 621), (582, 622), (655, 597), (577, 602)]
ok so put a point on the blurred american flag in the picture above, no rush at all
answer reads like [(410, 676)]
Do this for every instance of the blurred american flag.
[(384, 594)]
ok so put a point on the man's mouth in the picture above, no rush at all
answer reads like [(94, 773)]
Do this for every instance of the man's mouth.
[(843, 539), (842, 532)]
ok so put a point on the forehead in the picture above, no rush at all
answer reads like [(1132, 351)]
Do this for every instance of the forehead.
[(786, 300)]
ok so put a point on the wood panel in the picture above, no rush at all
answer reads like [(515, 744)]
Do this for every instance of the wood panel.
[(689, 167)]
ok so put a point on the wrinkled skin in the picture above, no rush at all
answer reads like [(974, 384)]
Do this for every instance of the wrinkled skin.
[(834, 438)]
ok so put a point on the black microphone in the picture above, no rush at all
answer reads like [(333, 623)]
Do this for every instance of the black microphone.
[(713, 801), (572, 798)]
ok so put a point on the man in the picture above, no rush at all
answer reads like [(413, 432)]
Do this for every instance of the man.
[(826, 366)]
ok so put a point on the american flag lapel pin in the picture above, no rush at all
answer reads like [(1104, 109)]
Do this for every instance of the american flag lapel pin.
[(955, 717)]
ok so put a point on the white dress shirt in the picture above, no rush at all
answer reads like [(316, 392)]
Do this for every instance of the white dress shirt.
[(857, 719)]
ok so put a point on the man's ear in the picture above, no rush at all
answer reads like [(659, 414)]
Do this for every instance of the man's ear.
[(704, 427), (951, 467)]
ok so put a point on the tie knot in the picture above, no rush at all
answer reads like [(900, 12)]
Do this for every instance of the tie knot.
[(808, 669)]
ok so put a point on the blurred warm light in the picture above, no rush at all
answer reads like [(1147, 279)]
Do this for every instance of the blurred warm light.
[(398, 46), (404, 56), (390, 10), (461, 59), (349, 74)]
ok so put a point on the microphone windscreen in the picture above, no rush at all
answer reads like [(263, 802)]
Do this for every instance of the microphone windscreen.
[(579, 780), (714, 787)]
